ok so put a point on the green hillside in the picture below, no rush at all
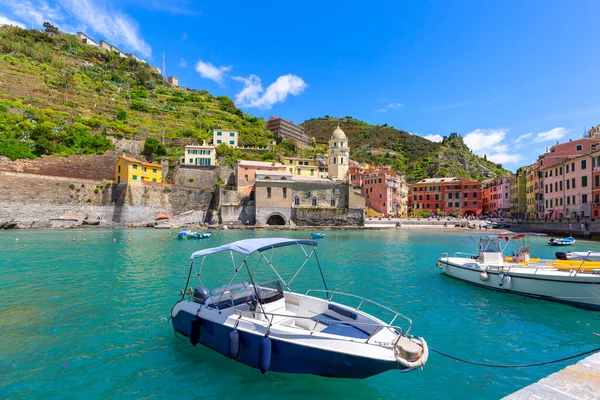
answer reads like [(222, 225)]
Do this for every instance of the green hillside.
[(59, 96), (412, 155)]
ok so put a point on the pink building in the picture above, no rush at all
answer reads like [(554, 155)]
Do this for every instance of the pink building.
[(568, 187), (245, 173), (386, 191), (497, 197)]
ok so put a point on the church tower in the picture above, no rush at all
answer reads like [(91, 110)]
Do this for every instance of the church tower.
[(339, 154)]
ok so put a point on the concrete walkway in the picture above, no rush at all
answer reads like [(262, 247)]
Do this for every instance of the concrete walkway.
[(580, 381)]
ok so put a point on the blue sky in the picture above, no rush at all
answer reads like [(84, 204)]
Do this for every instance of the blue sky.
[(511, 76)]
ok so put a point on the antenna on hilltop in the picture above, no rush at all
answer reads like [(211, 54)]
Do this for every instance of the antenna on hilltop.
[(164, 68)]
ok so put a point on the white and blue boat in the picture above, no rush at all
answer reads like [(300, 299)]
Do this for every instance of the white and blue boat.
[(561, 242), (187, 234), (317, 235), (272, 328)]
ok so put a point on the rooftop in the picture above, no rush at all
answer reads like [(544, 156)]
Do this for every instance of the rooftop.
[(248, 163), (440, 180)]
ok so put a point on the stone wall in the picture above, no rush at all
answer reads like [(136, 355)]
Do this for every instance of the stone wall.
[(77, 167), (264, 213), (327, 217), (238, 214)]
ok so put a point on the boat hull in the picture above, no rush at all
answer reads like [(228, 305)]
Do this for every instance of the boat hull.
[(572, 289), (286, 356)]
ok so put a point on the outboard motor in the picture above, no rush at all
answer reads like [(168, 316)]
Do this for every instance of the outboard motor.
[(200, 295), (561, 255)]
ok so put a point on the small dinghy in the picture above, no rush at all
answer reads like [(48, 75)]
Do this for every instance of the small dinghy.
[(318, 235), (272, 328), (187, 234), (578, 255), (561, 242)]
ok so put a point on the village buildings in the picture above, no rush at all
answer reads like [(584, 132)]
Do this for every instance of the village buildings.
[(386, 192), (284, 129), (307, 167), (132, 170), (447, 196), (496, 197)]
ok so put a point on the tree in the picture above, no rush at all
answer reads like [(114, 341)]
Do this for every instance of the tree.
[(66, 79), (51, 29), (153, 146)]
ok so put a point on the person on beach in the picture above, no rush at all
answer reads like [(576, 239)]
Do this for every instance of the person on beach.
[(583, 227), (571, 227)]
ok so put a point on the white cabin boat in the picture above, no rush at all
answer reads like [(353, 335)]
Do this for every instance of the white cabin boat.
[(575, 285)]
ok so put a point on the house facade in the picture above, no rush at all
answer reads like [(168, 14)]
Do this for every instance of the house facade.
[(447, 196), (386, 192), (229, 137), (133, 171), (304, 167), (497, 197), (245, 174), (199, 156)]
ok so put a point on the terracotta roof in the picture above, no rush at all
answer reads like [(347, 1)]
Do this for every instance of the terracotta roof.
[(149, 164), (135, 160), (130, 159)]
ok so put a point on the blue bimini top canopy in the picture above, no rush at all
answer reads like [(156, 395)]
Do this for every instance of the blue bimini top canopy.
[(249, 246)]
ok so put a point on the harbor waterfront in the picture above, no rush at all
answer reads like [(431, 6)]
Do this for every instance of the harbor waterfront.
[(89, 319)]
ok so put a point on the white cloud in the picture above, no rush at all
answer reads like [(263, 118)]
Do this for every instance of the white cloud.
[(209, 71), (552, 134), (7, 21), (391, 106), (504, 158), (90, 16), (491, 143), (254, 96), (523, 137), (434, 138), (183, 63)]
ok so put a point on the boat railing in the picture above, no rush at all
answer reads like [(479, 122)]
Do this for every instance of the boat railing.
[(331, 294), (464, 254), (378, 327)]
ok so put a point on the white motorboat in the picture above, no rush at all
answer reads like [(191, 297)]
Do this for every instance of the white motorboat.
[(574, 284), (270, 327), (578, 255)]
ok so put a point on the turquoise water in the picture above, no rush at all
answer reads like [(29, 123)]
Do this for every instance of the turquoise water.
[(89, 319)]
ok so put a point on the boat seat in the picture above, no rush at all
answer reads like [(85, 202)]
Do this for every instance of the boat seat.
[(231, 299), (335, 326)]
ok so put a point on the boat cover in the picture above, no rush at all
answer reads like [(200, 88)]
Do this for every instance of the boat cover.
[(249, 246)]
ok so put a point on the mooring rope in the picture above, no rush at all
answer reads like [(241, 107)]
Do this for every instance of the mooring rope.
[(518, 365)]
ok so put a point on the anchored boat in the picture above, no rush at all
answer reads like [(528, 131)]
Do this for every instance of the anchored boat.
[(576, 284), (578, 255), (561, 242), (270, 327), (187, 234), (317, 235)]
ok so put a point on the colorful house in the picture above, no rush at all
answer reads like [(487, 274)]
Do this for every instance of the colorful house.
[(199, 155), (447, 196), (305, 167), (132, 170)]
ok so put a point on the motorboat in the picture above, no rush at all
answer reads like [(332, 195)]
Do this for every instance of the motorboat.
[(575, 284), (187, 234), (318, 235), (578, 255), (270, 327), (561, 242)]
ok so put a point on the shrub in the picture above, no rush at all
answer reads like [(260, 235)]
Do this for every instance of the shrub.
[(191, 179), (153, 146), (121, 114), (139, 106)]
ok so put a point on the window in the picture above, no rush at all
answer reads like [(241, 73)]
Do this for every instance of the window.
[(556, 186), (334, 160), (584, 181), (579, 147), (546, 203), (567, 168), (573, 183), (449, 196), (154, 170), (568, 200), (560, 185), (551, 205), (573, 199), (296, 201), (427, 197), (268, 193), (546, 188), (456, 205), (475, 203), (561, 201), (298, 171), (428, 205), (560, 169), (134, 166), (597, 180), (219, 141), (232, 134), (231, 142), (135, 177), (312, 172), (119, 169), (465, 203), (153, 179), (449, 205), (568, 185), (584, 198), (314, 201), (572, 167), (219, 133), (332, 202)]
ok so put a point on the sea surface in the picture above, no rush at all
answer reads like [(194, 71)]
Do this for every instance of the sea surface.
[(90, 319)]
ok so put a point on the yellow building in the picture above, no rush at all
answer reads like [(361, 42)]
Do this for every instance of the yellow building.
[(530, 178), (306, 167), (131, 170)]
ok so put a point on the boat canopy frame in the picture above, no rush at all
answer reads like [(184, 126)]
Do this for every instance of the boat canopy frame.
[(248, 247)]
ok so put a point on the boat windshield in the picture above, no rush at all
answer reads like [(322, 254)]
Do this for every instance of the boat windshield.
[(490, 245)]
